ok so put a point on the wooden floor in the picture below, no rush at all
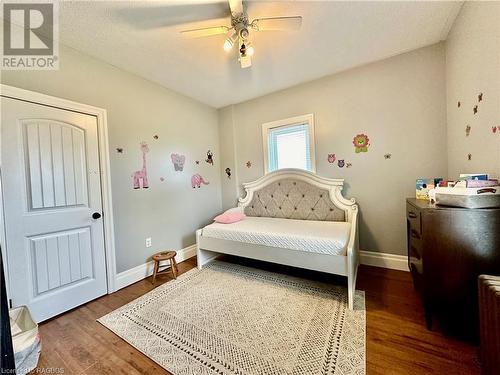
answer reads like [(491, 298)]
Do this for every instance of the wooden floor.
[(397, 341)]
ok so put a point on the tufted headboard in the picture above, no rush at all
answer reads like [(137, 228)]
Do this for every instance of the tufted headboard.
[(297, 194)]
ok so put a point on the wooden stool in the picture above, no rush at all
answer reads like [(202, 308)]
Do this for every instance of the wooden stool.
[(159, 257)]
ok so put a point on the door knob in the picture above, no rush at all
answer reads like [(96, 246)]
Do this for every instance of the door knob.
[(96, 215)]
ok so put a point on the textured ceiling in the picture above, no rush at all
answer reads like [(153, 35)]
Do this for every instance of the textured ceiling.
[(143, 38)]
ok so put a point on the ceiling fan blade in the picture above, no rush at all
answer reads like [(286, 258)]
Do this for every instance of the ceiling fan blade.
[(150, 15), (277, 23), (206, 31), (245, 61), (236, 6)]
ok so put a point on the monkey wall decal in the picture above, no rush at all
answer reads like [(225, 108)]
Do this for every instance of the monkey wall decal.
[(210, 157)]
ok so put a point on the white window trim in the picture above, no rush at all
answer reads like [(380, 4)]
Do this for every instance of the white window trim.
[(304, 119)]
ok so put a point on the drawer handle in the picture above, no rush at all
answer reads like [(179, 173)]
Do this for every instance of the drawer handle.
[(412, 215), (486, 190), (415, 253), (414, 234)]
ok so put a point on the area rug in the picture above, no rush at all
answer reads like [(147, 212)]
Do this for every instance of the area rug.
[(232, 319)]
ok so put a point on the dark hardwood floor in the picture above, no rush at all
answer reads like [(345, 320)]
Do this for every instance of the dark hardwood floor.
[(397, 341)]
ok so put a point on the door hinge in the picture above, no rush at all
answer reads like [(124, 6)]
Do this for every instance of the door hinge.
[(10, 303)]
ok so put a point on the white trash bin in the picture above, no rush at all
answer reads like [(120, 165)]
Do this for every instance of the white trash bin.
[(25, 339)]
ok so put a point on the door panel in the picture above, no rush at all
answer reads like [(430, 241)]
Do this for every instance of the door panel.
[(56, 164), (51, 186), (61, 258)]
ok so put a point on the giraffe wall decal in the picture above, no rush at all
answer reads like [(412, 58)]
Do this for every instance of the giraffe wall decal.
[(141, 176)]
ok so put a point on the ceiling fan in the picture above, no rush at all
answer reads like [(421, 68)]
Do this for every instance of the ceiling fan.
[(239, 32)]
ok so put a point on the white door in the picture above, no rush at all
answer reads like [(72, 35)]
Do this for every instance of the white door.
[(52, 206)]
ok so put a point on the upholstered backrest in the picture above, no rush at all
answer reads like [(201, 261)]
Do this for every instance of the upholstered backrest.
[(294, 199)]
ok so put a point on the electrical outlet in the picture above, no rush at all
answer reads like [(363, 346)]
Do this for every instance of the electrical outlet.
[(148, 242)]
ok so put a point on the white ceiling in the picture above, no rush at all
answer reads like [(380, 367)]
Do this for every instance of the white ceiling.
[(143, 37)]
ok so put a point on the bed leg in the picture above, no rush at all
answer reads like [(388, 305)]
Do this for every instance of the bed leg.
[(351, 283), (350, 291), (199, 256), (203, 257)]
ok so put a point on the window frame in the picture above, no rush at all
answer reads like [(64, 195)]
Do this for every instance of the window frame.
[(292, 121)]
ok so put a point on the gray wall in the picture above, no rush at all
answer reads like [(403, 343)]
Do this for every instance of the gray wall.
[(472, 67), (229, 187), (399, 102), (168, 211), (402, 103)]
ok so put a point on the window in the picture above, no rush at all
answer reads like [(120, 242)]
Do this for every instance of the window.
[(289, 143)]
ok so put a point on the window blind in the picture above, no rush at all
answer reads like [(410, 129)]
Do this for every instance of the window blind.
[(289, 147)]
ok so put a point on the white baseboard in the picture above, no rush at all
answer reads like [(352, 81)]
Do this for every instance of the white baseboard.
[(384, 260), (369, 258), (142, 271)]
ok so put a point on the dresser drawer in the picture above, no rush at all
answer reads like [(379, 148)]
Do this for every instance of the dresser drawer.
[(415, 248), (414, 219), (418, 278), (415, 255)]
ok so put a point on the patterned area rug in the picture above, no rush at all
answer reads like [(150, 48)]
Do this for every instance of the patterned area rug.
[(231, 319)]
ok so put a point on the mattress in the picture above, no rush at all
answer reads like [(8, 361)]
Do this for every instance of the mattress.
[(323, 237)]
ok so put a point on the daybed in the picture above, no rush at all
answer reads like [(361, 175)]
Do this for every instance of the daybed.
[(295, 218)]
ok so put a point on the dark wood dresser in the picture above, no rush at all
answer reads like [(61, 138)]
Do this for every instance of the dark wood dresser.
[(448, 248)]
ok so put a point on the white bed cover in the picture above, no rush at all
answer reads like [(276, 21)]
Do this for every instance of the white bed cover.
[(323, 237)]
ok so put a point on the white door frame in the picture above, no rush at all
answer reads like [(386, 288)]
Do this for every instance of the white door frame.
[(102, 131)]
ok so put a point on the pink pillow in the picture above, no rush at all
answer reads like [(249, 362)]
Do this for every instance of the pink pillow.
[(229, 217)]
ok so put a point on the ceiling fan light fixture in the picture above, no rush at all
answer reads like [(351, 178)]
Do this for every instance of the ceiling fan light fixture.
[(227, 45), (250, 50), (245, 61), (232, 37), (238, 32)]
